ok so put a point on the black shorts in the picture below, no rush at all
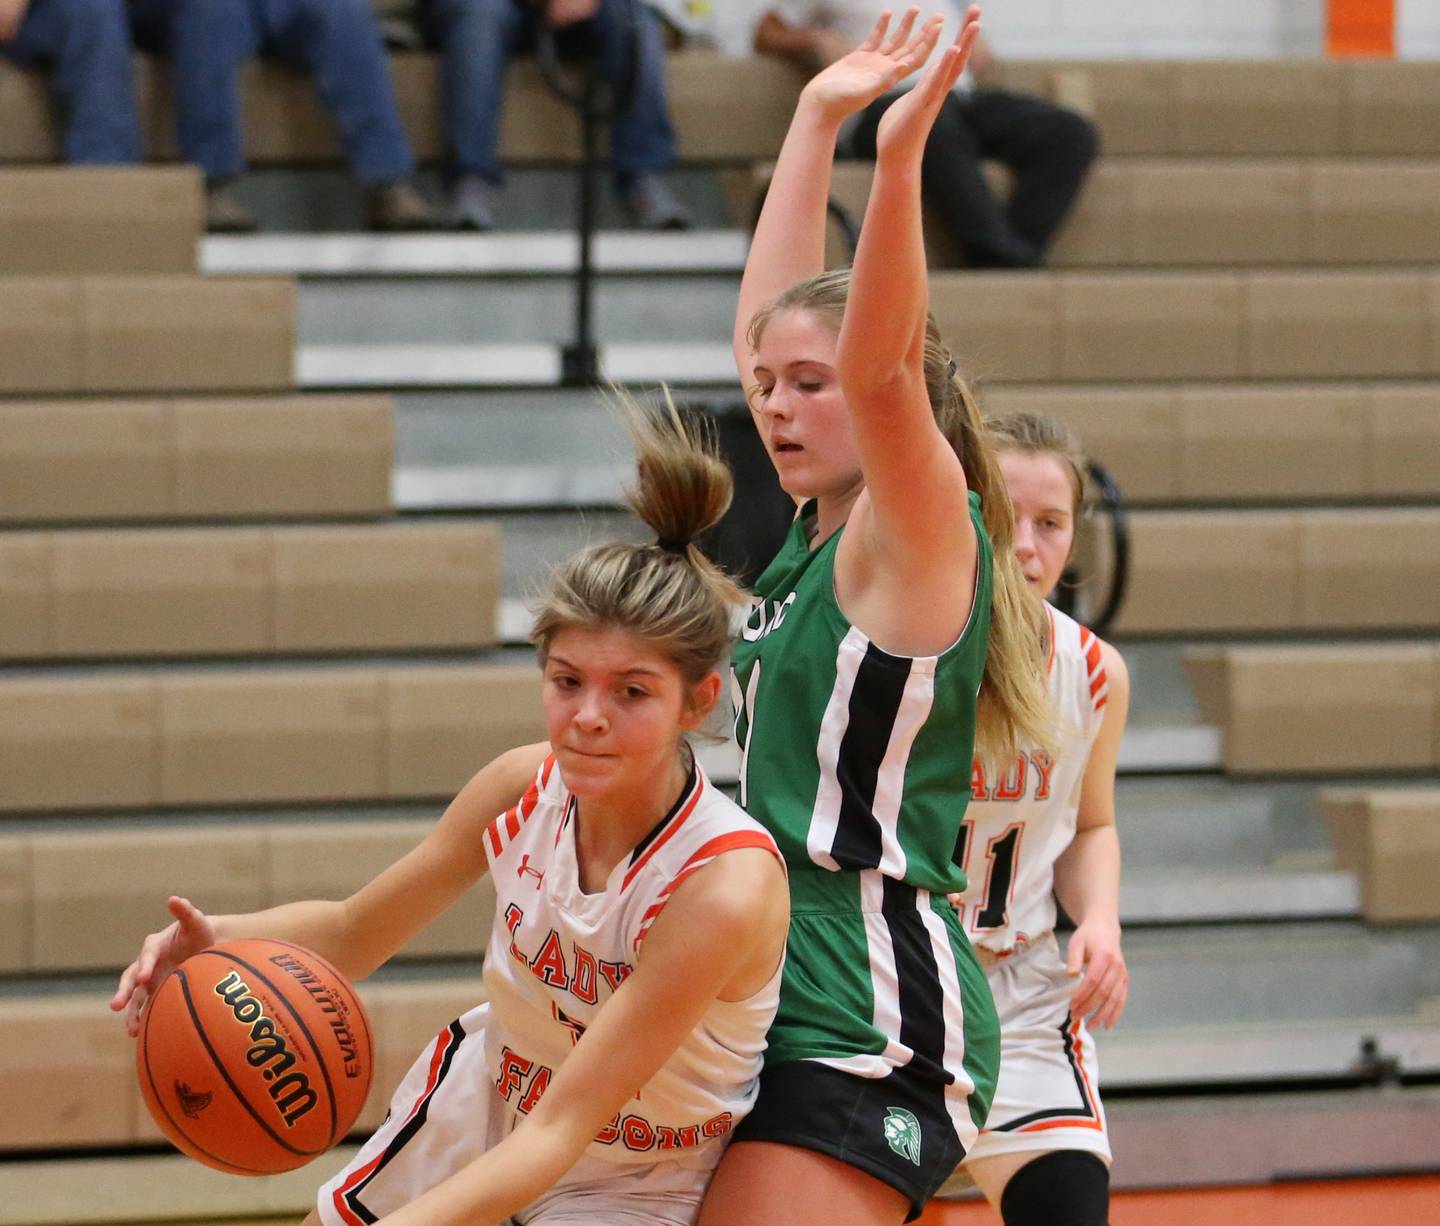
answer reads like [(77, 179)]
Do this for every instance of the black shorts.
[(895, 1128)]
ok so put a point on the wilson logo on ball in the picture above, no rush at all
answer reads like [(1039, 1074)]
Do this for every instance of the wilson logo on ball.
[(269, 1051)]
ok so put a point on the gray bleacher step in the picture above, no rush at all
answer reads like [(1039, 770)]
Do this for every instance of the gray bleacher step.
[(507, 253), (1265, 1052), (1184, 895), (466, 311), (535, 364), (1254, 973)]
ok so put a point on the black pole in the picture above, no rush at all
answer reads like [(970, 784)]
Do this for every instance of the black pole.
[(580, 359)]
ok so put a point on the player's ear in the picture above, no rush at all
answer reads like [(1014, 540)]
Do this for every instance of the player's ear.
[(703, 696)]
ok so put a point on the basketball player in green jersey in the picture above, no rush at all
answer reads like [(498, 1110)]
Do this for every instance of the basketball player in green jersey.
[(892, 632)]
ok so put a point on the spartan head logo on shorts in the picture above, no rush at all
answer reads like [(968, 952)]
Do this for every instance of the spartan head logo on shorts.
[(902, 1131)]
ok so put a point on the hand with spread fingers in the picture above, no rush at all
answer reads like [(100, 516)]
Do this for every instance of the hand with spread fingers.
[(905, 127), (876, 66), (161, 953)]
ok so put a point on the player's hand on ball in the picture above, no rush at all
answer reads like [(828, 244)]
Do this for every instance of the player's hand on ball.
[(1095, 950), (905, 126), (161, 953), (882, 61)]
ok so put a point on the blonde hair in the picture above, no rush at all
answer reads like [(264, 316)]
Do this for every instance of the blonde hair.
[(1013, 708), (666, 592), (1034, 434)]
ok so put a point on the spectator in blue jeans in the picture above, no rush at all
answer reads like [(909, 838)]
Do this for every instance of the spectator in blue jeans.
[(86, 44), (337, 40), (476, 39)]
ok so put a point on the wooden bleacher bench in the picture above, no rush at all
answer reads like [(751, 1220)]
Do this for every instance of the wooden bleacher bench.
[(736, 110), (1390, 838), (1324, 709), (1196, 212), (1282, 571), (1236, 443), (1162, 325), (300, 734), (111, 593), (80, 900), (183, 458), (141, 333)]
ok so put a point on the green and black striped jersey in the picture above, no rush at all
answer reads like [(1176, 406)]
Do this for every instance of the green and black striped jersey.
[(852, 757)]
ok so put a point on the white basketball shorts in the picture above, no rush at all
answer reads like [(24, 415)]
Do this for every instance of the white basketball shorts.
[(1047, 1096), (446, 1113)]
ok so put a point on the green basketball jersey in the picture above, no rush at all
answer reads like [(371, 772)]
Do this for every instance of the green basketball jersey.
[(852, 757)]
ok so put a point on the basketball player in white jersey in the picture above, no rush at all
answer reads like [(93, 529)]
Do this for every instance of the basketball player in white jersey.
[(1040, 827), (634, 964)]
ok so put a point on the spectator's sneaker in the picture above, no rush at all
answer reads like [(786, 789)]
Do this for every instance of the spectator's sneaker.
[(224, 214), (398, 206), (653, 205), (471, 205)]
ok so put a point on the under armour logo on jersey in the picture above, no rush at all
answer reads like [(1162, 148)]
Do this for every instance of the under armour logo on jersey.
[(902, 1131), (525, 868)]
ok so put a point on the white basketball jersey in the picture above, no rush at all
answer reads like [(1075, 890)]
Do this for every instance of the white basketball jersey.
[(558, 954), (1022, 818)]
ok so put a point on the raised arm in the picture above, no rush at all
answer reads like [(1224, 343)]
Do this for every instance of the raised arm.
[(720, 936), (910, 473), (789, 241), (361, 932)]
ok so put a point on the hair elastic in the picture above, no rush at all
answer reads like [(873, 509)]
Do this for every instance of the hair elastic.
[(952, 368), (673, 546)]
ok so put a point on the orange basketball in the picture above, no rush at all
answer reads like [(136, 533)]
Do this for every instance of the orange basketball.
[(255, 1056)]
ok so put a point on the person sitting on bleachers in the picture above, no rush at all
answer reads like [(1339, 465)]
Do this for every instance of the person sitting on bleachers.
[(1048, 148), (337, 40), (476, 38), (86, 44)]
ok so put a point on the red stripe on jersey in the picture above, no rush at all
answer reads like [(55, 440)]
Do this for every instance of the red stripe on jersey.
[(668, 833), (513, 822), (715, 847), (443, 1043), (492, 832), (1050, 659)]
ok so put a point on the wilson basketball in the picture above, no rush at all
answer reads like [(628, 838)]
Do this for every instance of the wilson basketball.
[(255, 1056)]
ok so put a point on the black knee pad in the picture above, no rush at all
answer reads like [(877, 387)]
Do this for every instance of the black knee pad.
[(1068, 1187)]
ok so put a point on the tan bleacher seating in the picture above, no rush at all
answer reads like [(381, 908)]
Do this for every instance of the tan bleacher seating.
[(81, 900), (299, 734), (185, 458), (1323, 709), (248, 590), (737, 109), (146, 334), (1223, 442), (1252, 324), (1226, 571), (92, 1097), (100, 219), (1176, 212), (1390, 838), (124, 739)]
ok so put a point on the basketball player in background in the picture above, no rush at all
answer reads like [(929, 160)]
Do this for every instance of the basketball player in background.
[(1038, 827), (634, 964), (885, 613)]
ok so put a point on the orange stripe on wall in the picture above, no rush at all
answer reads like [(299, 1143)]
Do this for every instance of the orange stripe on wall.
[(1360, 27)]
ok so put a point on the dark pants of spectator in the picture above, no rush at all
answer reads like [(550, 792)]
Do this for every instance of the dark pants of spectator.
[(476, 38), (338, 41), (86, 44), (1048, 148)]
